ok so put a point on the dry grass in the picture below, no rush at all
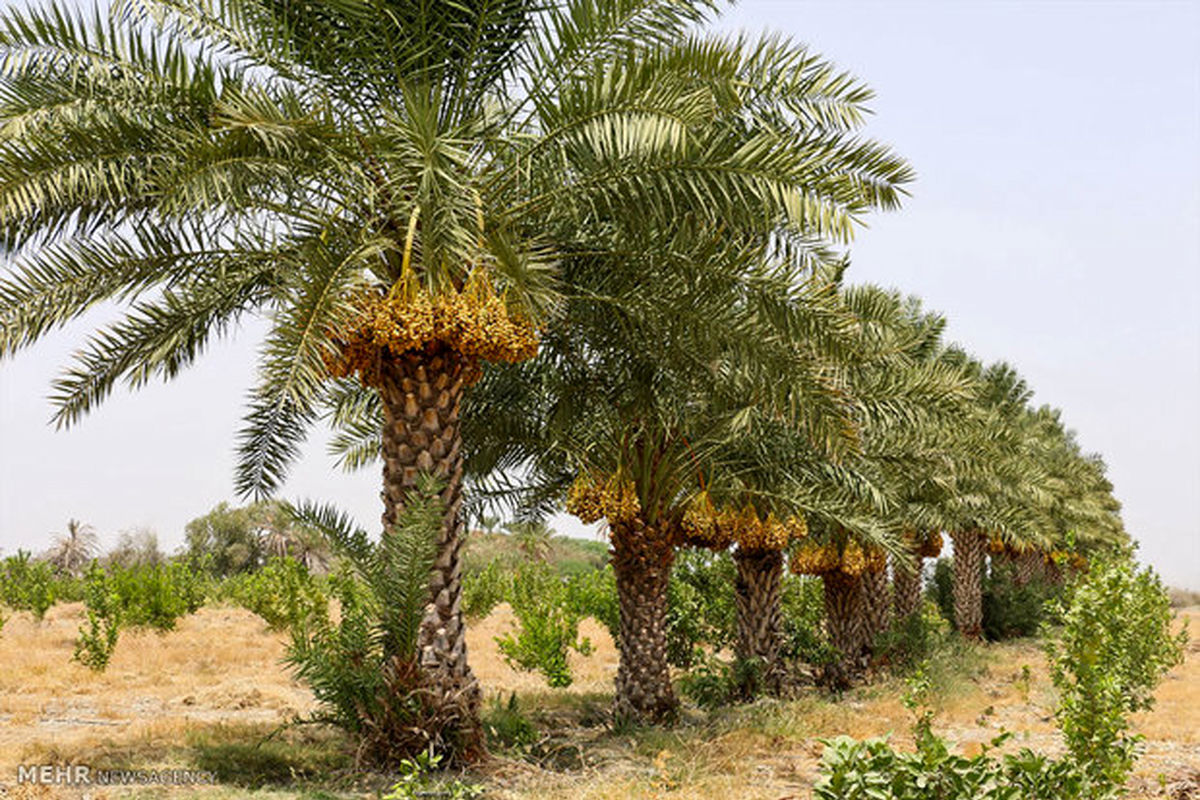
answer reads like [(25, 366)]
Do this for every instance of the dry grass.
[(208, 693)]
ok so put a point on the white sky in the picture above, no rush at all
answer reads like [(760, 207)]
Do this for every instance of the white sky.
[(1055, 221)]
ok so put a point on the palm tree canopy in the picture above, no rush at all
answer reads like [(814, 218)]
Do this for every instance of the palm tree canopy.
[(200, 160)]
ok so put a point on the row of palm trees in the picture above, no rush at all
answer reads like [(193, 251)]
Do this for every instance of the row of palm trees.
[(585, 250)]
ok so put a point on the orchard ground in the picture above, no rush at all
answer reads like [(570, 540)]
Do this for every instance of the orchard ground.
[(211, 696)]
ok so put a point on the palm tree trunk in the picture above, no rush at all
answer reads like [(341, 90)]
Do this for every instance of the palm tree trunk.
[(1053, 573), (845, 616), (421, 396), (906, 585), (968, 582), (878, 602), (1028, 565), (758, 591), (642, 557)]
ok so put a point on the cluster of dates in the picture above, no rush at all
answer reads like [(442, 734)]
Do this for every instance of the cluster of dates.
[(473, 323)]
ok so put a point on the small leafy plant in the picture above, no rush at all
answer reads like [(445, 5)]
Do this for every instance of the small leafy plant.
[(547, 626), (507, 727), (28, 585), (156, 596), (416, 782), (98, 637), (485, 589), (284, 593)]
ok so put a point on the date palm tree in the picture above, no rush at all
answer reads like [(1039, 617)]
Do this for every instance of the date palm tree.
[(73, 549), (392, 184), (906, 397)]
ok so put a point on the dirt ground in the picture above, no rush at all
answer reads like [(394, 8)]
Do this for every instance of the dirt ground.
[(219, 676)]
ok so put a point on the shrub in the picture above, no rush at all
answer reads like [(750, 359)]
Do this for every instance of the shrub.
[(701, 610), (594, 594), (1010, 610), (416, 781), (803, 606), (1114, 647), (713, 683), (873, 770), (485, 589), (941, 588), (98, 638), (156, 596), (913, 640), (283, 593), (28, 585), (547, 625)]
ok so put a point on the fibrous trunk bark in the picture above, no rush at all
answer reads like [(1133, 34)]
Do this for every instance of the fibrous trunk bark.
[(1053, 573), (421, 396), (845, 617), (641, 557), (760, 623), (906, 585), (1028, 565), (969, 553), (878, 601)]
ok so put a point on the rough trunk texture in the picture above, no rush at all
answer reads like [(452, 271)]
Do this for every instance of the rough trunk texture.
[(878, 602), (1053, 573), (1028, 566), (969, 552), (641, 559), (421, 396), (845, 616), (758, 591), (906, 585)]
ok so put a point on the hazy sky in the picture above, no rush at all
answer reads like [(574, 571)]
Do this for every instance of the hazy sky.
[(1055, 221)]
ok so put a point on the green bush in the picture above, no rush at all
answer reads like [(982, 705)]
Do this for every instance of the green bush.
[(712, 682), (1114, 647), (547, 625), (157, 595), (417, 781), (594, 594), (98, 637), (941, 588), (914, 639), (28, 585), (284, 593), (701, 610), (485, 589), (803, 607), (1011, 611), (874, 770)]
